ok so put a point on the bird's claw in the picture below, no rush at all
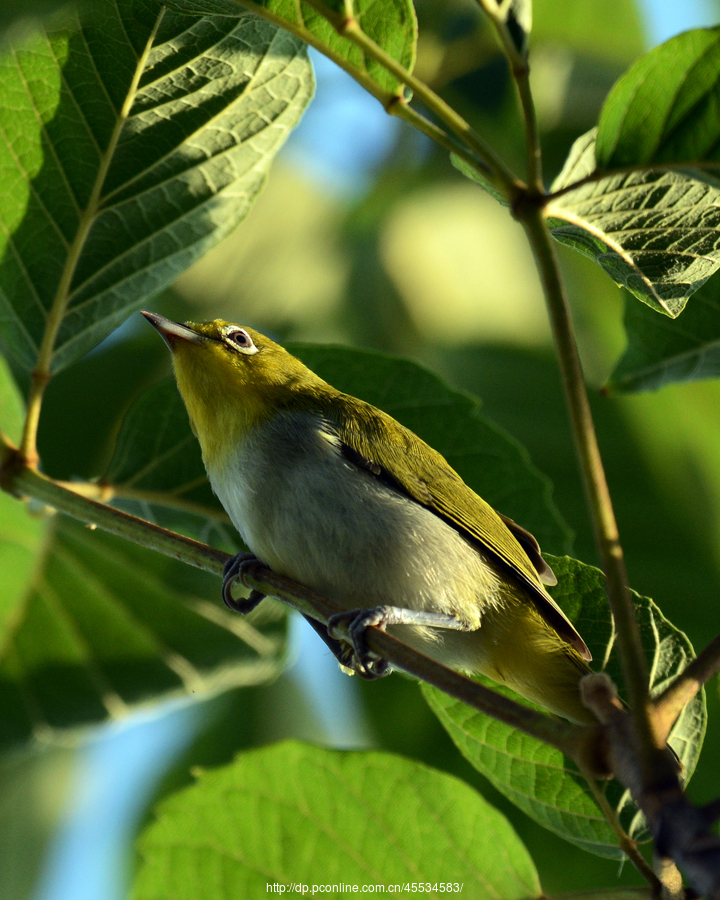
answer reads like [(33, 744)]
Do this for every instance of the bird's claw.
[(350, 627), (234, 570)]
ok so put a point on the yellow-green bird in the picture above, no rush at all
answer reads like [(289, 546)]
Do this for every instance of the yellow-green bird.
[(338, 496)]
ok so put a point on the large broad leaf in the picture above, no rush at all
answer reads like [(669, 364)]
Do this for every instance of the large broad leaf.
[(302, 815), (131, 141), (655, 233), (390, 23), (157, 470), (538, 778), (102, 629), (665, 110), (661, 352)]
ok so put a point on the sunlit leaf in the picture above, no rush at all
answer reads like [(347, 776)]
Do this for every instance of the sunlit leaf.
[(655, 233), (131, 141), (102, 629), (665, 109), (538, 778), (662, 352), (295, 813), (390, 23)]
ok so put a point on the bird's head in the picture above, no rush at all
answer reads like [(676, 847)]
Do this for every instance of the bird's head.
[(231, 379)]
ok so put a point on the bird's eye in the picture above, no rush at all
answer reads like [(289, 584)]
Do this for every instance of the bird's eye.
[(240, 340)]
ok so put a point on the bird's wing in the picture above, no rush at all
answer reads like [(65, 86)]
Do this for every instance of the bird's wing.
[(377, 443)]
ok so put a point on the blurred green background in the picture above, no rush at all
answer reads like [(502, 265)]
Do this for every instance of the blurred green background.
[(366, 235)]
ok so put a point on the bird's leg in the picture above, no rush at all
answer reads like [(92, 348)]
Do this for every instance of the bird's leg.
[(344, 653), (234, 569), (354, 623)]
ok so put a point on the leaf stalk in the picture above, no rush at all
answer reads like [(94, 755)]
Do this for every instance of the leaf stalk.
[(520, 70)]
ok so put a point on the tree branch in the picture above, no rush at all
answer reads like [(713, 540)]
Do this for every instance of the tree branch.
[(19, 479), (681, 831), (632, 658), (627, 845)]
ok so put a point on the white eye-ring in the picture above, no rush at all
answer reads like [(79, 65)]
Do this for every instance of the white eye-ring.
[(239, 339)]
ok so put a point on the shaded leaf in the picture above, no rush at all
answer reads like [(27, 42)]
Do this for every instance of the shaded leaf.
[(390, 23), (101, 631), (294, 813), (665, 109), (661, 352), (131, 141), (469, 172), (538, 778), (655, 233)]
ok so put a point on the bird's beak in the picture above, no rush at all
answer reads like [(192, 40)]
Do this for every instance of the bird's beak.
[(172, 332)]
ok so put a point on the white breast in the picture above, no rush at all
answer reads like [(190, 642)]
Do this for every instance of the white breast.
[(308, 513)]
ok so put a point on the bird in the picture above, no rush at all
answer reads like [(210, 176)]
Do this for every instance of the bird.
[(338, 496)]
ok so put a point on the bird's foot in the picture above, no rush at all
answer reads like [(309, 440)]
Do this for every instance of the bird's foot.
[(234, 570), (349, 629)]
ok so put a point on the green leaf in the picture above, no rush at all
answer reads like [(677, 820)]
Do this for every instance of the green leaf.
[(536, 777), (665, 110), (655, 233), (469, 172), (131, 141), (390, 23), (485, 456), (294, 813), (101, 630), (157, 471), (610, 30), (661, 352)]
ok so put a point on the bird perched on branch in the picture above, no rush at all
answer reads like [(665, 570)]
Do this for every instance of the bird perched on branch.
[(338, 496)]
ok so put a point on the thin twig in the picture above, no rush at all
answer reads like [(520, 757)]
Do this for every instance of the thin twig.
[(107, 492), (668, 706), (347, 26), (520, 69), (392, 102), (627, 844)]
